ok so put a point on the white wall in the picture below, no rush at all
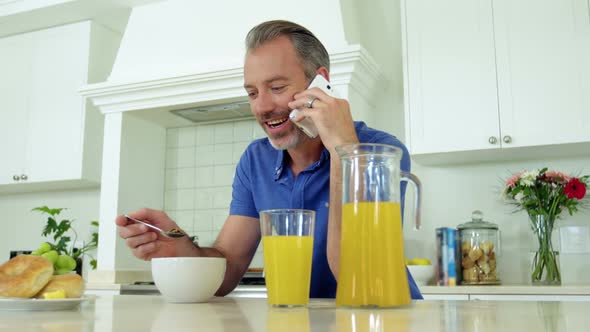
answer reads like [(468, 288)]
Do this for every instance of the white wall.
[(452, 193), (22, 227), (200, 166), (378, 29)]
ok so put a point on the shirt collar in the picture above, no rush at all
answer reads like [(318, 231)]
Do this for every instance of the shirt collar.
[(280, 164)]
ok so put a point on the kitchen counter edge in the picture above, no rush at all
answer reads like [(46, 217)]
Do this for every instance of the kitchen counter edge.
[(501, 289)]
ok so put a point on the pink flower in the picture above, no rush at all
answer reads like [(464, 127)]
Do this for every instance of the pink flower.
[(511, 182), (555, 176), (575, 189)]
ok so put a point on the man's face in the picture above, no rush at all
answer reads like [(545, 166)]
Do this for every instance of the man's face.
[(272, 75)]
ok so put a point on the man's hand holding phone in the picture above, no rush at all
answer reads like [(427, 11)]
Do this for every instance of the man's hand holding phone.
[(304, 123), (317, 111)]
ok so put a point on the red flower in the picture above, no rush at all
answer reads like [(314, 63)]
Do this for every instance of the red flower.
[(575, 189)]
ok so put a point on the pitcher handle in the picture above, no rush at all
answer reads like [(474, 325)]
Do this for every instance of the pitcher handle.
[(411, 178)]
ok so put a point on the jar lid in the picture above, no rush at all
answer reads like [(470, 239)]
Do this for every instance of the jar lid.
[(477, 222)]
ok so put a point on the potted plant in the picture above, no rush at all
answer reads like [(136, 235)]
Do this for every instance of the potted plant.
[(62, 249)]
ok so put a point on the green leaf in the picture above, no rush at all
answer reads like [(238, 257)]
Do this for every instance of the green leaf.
[(47, 210), (50, 227), (62, 245), (62, 228), (94, 240)]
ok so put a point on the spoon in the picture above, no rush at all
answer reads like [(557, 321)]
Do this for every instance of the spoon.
[(173, 233)]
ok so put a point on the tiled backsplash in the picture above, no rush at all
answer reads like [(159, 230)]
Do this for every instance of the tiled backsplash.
[(200, 167)]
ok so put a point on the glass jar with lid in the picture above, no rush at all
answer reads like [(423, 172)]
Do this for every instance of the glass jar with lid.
[(480, 242)]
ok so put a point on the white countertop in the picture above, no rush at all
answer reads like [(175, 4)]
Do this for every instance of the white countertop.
[(151, 313)]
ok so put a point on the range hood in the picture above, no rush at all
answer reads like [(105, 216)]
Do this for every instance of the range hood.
[(216, 113)]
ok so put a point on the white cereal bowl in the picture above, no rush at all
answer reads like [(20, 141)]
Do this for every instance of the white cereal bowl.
[(188, 279), (423, 274)]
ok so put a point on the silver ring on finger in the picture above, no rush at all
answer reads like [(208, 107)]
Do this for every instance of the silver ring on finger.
[(310, 102)]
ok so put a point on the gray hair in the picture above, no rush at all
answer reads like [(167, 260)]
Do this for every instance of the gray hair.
[(309, 49)]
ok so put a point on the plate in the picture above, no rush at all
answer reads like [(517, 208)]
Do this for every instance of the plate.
[(15, 304)]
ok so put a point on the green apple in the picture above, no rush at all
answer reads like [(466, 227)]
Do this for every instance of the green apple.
[(51, 256), (44, 247), (65, 262), (62, 271)]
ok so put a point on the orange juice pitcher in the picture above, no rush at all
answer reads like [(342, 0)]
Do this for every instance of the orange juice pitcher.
[(372, 269)]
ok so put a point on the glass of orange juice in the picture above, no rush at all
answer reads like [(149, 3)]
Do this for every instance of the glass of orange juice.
[(287, 242)]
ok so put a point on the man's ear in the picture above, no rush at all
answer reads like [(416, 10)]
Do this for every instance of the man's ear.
[(324, 72)]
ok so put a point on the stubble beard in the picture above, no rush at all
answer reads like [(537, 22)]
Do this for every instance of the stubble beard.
[(287, 140)]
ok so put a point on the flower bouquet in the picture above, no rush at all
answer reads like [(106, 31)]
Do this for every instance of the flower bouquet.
[(544, 195)]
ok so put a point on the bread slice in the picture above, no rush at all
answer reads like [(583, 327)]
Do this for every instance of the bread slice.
[(72, 284)]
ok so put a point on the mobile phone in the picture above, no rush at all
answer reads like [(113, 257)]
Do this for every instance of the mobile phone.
[(306, 125)]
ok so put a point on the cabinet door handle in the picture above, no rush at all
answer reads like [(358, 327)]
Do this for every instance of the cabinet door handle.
[(16, 177), (507, 139), (493, 140), (23, 177)]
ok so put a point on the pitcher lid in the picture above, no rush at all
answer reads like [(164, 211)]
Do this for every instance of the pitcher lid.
[(477, 222)]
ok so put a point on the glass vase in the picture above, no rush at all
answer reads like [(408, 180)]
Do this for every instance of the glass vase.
[(545, 267)]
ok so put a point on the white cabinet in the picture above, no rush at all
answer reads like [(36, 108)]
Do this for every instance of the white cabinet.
[(15, 54), (451, 97), (50, 138), (491, 74), (543, 56), (57, 112)]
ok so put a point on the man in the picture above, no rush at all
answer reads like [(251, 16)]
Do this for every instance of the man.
[(286, 170)]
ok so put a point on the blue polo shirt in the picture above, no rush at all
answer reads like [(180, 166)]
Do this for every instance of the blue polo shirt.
[(263, 181)]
